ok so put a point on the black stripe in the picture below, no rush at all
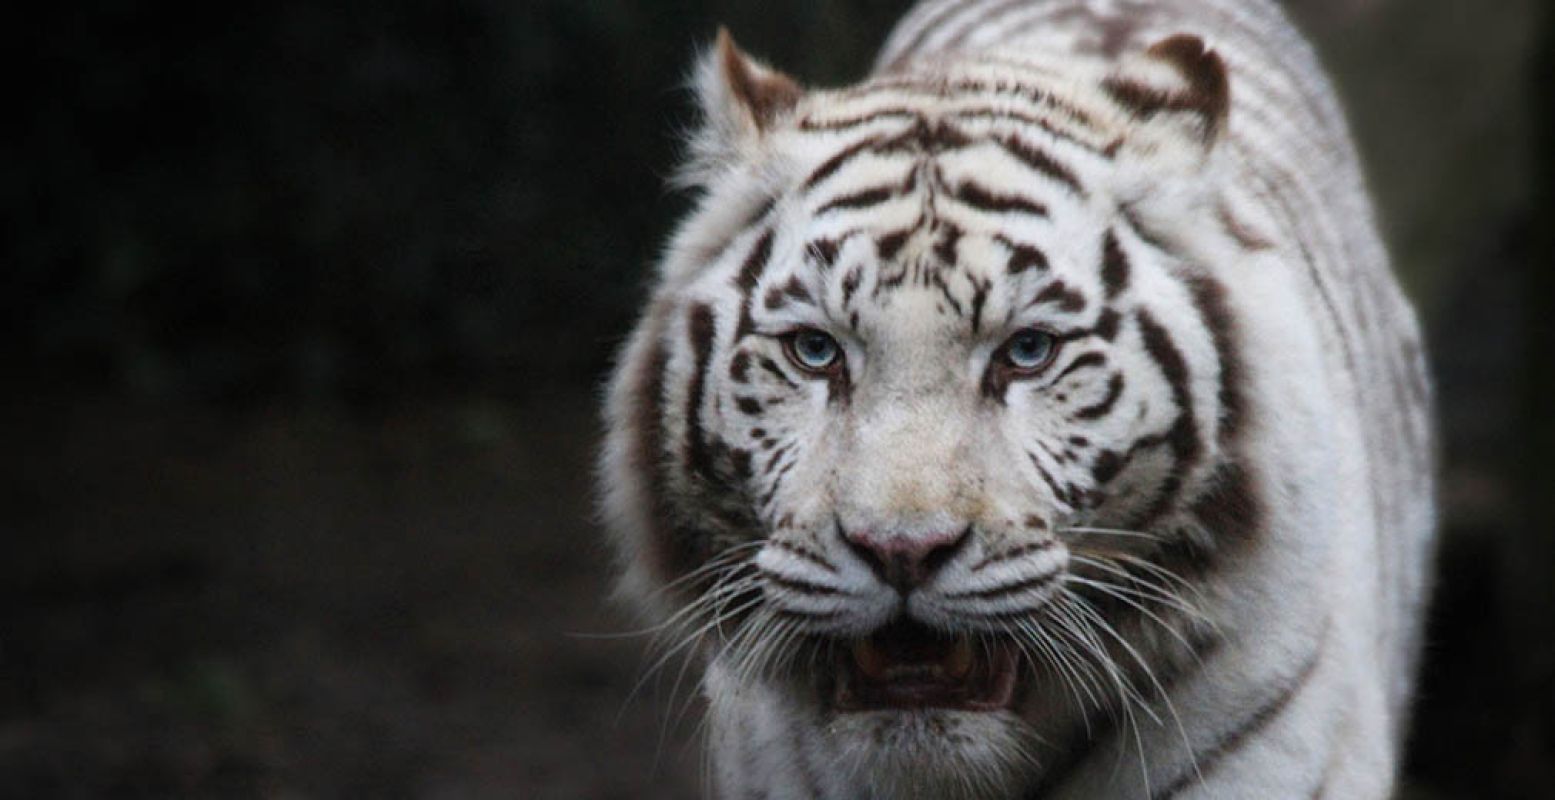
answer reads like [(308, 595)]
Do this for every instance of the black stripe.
[(1231, 741), (1085, 361), (836, 162), (1202, 646), (980, 291), (1114, 266), (1209, 297), (1040, 161), (985, 199), (863, 198), (1183, 437), (748, 278), (803, 553), (1020, 551), (773, 369), (1022, 256), (1231, 508), (999, 114), (888, 245), (701, 328), (1104, 406), (1107, 324), (1004, 590), (802, 586), (1068, 300), (847, 123), (824, 251), (739, 367), (950, 239)]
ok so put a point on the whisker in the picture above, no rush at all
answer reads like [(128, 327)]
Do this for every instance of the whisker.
[(1154, 537)]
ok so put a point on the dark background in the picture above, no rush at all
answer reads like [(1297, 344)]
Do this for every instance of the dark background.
[(308, 304)]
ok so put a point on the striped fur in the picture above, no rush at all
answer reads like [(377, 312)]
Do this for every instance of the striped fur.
[(1206, 524)]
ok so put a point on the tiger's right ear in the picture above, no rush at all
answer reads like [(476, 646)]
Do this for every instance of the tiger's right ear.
[(741, 99), (1179, 85)]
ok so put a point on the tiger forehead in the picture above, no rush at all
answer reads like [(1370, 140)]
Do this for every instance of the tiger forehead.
[(1002, 163)]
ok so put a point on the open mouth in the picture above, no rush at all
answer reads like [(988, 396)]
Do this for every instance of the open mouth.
[(909, 666)]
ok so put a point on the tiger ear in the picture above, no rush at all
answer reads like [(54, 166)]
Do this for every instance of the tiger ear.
[(741, 100), (1179, 86)]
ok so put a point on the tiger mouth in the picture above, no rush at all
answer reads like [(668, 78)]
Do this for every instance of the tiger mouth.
[(906, 666)]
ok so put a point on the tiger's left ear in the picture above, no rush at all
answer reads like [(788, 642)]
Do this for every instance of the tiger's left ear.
[(741, 100), (1178, 87)]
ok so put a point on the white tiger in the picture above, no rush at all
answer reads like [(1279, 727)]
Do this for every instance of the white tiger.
[(1038, 418)]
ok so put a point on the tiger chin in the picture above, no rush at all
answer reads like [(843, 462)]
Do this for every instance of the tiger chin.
[(1038, 418)]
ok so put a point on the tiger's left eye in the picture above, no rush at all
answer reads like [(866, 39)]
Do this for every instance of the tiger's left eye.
[(1029, 350), (812, 350)]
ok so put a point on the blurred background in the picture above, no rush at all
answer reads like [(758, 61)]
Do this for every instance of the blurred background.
[(309, 302)]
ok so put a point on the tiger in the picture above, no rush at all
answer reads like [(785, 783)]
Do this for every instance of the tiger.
[(1039, 417)]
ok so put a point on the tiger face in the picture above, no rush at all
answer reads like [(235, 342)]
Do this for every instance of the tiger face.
[(933, 386)]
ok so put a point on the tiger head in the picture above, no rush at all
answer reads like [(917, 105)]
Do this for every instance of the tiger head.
[(936, 392)]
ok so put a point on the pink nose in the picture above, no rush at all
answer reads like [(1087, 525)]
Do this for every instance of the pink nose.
[(906, 561)]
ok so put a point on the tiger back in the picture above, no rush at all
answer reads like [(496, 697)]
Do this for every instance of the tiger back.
[(1037, 418)]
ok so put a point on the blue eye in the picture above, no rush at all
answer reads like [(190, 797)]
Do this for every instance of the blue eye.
[(1029, 350), (812, 351)]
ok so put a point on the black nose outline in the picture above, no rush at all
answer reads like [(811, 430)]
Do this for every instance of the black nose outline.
[(904, 571)]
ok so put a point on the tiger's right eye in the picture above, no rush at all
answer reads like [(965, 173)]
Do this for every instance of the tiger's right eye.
[(1028, 352), (813, 351)]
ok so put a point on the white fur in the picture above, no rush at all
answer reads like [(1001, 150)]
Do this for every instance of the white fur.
[(1315, 618)]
